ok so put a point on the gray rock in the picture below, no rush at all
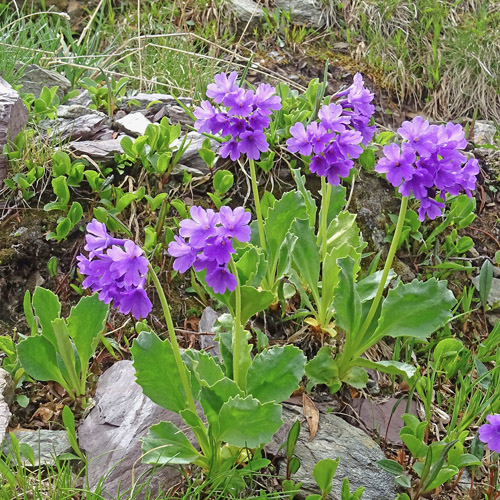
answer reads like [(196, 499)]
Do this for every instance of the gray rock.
[(34, 78), (191, 160), (484, 132), (46, 445), (86, 127), (307, 12), (336, 438), (82, 99), (99, 151), (71, 111), (13, 117), (134, 123), (112, 431), (245, 11), (145, 100), (6, 395), (206, 324)]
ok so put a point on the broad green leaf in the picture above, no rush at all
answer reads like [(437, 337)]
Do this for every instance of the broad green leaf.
[(275, 373), (346, 302), (156, 372), (390, 367), (324, 472), (223, 180), (60, 188), (356, 377), (446, 350), (85, 324), (212, 398), (417, 447), (38, 357), (247, 422), (443, 475), (367, 287), (75, 213), (343, 231), (416, 309), (206, 367), (69, 425), (251, 266), (47, 309), (337, 203), (278, 221), (322, 369), (66, 351), (166, 444), (306, 255), (285, 256), (252, 302)]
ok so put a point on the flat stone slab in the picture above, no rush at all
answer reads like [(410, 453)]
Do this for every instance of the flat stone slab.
[(34, 78), (46, 445), (6, 395), (336, 438), (112, 431), (133, 123), (13, 117)]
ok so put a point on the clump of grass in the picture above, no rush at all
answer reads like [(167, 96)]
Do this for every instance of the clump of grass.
[(443, 54)]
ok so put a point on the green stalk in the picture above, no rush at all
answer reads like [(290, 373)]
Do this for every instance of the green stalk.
[(238, 333), (388, 264), (326, 193), (258, 211), (202, 437), (181, 367)]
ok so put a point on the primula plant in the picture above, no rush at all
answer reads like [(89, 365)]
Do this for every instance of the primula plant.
[(212, 397)]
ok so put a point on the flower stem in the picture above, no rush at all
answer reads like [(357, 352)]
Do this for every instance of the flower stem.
[(181, 367), (258, 211), (238, 333), (387, 268), (326, 193)]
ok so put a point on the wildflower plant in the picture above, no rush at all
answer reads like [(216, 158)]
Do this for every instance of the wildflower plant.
[(193, 383)]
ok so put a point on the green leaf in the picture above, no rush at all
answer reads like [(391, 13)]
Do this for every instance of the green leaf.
[(390, 367), (367, 159), (212, 398), (291, 439), (28, 313), (247, 422), (205, 366), (223, 181), (252, 301), (416, 309), (60, 187), (310, 204), (417, 447), (275, 373), (69, 425), (251, 266), (391, 466), (165, 444), (443, 475), (47, 309), (157, 373), (346, 302), (75, 213), (324, 472), (278, 221), (322, 369), (306, 254), (38, 357), (367, 287), (485, 281), (85, 324), (356, 377)]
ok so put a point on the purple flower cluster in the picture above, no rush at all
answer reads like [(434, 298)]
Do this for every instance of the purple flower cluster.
[(490, 433), (334, 140), (240, 115), (117, 269), (428, 162), (205, 242)]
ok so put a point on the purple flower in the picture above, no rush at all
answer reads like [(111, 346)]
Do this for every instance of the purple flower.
[(212, 247), (490, 433), (222, 87), (241, 116), (266, 99), (97, 237), (332, 118), (117, 273), (252, 143), (421, 136), (397, 164), (200, 227), (300, 142), (240, 103)]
